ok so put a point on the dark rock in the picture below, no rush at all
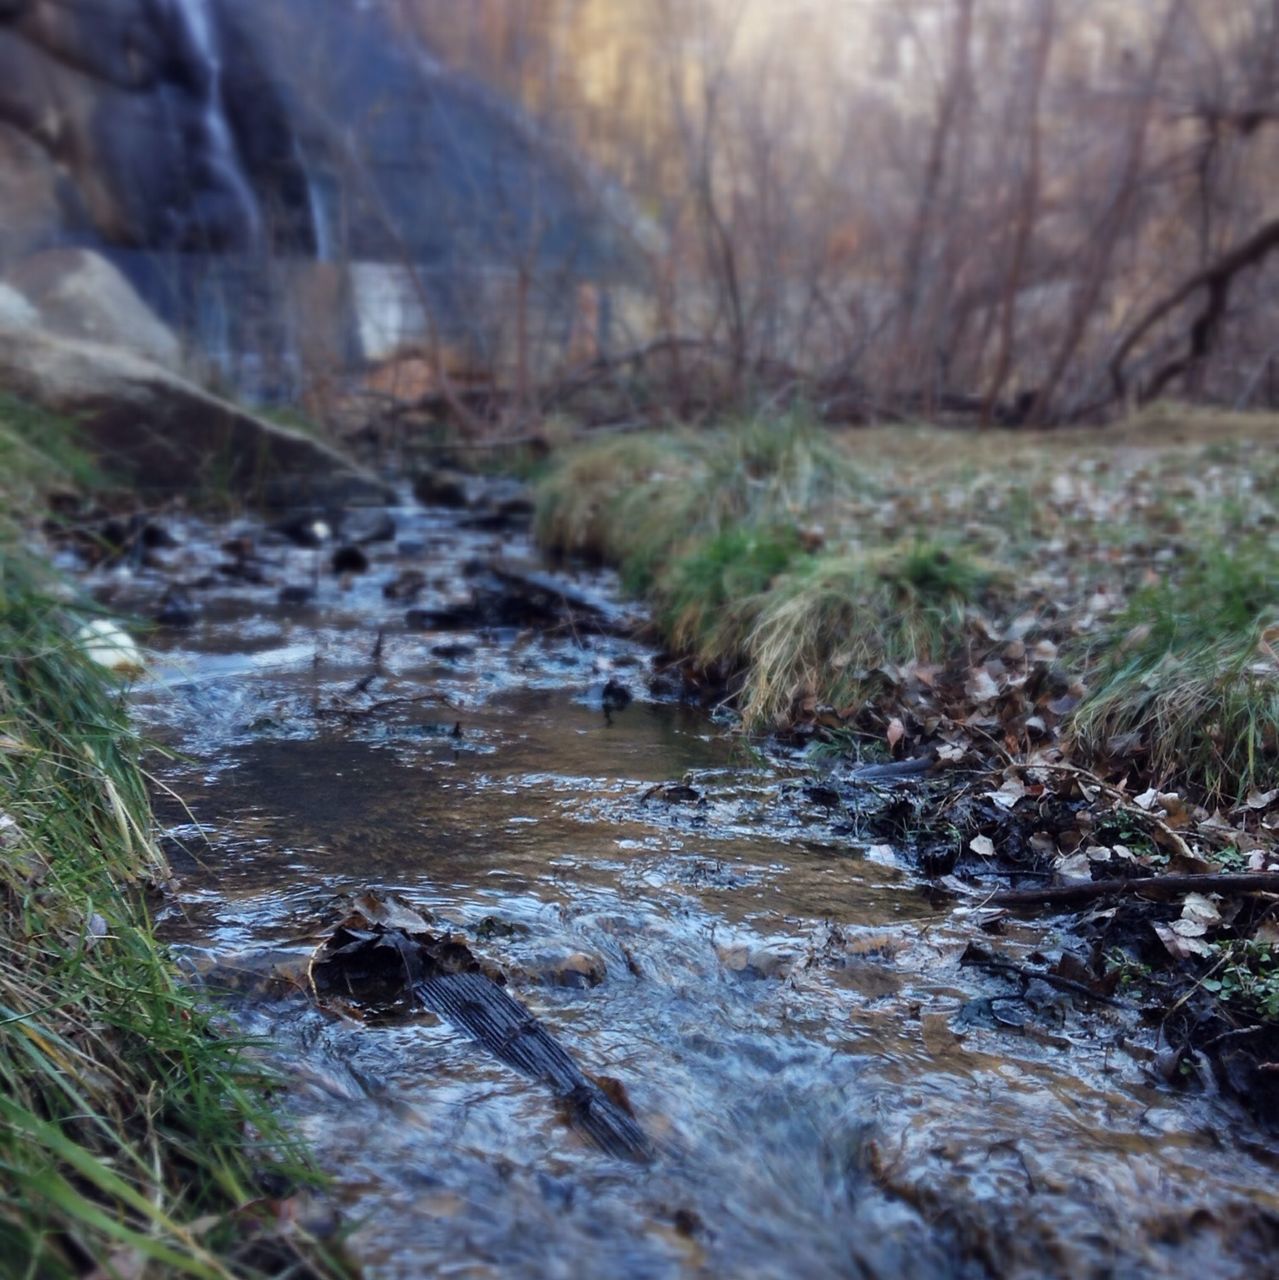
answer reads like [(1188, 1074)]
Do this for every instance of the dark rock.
[(155, 537), (242, 548), (247, 570), (308, 530), (442, 488), (176, 609), (453, 652), (616, 696), (350, 560), (296, 595), (407, 585)]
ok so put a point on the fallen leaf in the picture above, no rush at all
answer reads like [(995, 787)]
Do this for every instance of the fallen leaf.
[(1074, 868), (980, 687), (896, 732), (1012, 790), (1202, 909), (983, 846), (1179, 947)]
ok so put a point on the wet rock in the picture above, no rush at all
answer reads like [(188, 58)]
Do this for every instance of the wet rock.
[(495, 927), (177, 609), (155, 537), (294, 596), (671, 793), (460, 616), (577, 970), (367, 529), (453, 652), (349, 560), (407, 585), (755, 962), (616, 696), (442, 488), (309, 530), (247, 570)]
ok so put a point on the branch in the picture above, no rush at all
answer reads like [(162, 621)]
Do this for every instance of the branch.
[(1069, 895), (1217, 278)]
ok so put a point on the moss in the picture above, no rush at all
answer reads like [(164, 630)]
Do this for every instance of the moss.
[(709, 594)]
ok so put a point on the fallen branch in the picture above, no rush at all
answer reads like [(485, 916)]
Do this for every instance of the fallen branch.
[(980, 958), (1146, 886)]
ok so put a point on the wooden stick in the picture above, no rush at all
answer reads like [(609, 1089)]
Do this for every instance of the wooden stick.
[(1148, 886)]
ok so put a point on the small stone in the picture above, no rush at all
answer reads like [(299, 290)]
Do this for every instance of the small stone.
[(441, 488), (350, 560), (294, 596)]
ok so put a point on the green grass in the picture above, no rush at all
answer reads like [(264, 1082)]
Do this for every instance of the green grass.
[(916, 530), (1189, 672), (133, 1136), (709, 596), (828, 626)]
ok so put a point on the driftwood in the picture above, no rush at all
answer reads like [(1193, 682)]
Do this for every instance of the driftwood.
[(1171, 886), (383, 958), (474, 1003)]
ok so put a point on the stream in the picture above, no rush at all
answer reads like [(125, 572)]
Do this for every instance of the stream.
[(826, 1090)]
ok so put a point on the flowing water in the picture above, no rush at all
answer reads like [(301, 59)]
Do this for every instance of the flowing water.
[(825, 1087)]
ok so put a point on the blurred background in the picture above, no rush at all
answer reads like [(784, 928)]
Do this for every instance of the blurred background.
[(1013, 211)]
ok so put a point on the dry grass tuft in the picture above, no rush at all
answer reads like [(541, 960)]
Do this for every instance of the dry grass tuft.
[(828, 626)]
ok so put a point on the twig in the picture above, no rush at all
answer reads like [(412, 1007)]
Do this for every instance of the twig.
[(1145, 886), (982, 959)]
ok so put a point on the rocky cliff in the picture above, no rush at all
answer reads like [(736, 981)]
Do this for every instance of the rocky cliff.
[(217, 150)]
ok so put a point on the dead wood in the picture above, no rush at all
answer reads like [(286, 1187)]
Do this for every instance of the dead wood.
[(1171, 886)]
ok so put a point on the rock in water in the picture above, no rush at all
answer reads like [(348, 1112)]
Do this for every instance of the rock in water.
[(108, 645), (350, 560), (441, 488), (176, 609)]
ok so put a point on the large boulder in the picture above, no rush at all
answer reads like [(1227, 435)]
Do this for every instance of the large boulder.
[(79, 294), (165, 435)]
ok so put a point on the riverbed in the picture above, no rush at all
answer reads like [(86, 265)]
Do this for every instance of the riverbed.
[(826, 1089)]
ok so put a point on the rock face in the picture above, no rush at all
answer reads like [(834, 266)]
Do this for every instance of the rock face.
[(202, 143), (167, 435), (79, 294)]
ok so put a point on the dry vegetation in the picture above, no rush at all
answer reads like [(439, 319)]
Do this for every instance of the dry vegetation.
[(1014, 211), (1104, 598)]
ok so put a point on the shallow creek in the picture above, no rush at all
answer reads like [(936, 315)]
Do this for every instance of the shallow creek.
[(781, 998)]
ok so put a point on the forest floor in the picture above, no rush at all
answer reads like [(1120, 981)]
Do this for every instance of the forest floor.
[(1070, 639)]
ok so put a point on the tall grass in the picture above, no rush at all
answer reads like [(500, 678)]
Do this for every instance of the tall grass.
[(1189, 676), (134, 1139), (830, 624), (639, 502)]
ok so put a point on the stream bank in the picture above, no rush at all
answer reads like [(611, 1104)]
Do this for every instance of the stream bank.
[(828, 1087)]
